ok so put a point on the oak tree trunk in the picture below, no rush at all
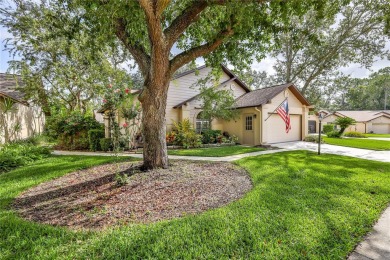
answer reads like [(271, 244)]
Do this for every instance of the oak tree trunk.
[(154, 129), (154, 100)]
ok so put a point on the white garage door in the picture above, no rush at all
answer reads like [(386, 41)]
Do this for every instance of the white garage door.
[(276, 129), (381, 128)]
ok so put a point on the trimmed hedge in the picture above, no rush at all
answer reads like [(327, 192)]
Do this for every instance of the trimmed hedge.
[(313, 139), (333, 134), (355, 134), (328, 128), (106, 144), (94, 136)]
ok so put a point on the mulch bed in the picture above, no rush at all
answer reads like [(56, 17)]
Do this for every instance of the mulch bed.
[(92, 199)]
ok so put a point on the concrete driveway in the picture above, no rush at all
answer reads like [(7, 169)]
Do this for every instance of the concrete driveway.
[(382, 156)]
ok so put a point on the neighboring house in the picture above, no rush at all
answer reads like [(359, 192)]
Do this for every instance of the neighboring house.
[(25, 119), (252, 126), (367, 121)]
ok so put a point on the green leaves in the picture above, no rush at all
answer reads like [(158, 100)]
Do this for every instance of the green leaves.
[(63, 60)]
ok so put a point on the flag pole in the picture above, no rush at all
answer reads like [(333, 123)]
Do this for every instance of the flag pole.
[(275, 109)]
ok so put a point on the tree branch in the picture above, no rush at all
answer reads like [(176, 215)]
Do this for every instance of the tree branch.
[(181, 22), (138, 52), (153, 22), (189, 55)]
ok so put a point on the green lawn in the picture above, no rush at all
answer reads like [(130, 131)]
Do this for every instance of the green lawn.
[(215, 151), (363, 143), (302, 206), (378, 135)]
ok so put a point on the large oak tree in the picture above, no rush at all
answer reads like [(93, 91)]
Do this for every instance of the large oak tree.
[(218, 30), (164, 35)]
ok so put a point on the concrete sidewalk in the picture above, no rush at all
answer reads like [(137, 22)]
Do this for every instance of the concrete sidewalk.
[(382, 156), (376, 245), (176, 157)]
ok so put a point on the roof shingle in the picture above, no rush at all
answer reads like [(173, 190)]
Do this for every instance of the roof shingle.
[(8, 85), (262, 96), (364, 115)]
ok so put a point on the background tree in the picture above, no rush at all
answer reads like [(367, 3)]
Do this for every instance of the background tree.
[(374, 90), (217, 104), (61, 63), (312, 50), (344, 122), (164, 35), (255, 79)]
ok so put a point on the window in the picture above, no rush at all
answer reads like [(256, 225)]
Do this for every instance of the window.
[(249, 123), (202, 123)]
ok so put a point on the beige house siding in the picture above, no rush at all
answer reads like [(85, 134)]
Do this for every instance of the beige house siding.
[(380, 125), (236, 127), (296, 109), (182, 91), (264, 131), (183, 88), (358, 127), (30, 118)]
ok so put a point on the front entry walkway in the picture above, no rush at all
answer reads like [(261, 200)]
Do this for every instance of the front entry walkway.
[(382, 156)]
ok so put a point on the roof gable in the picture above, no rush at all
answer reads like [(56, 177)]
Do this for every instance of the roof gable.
[(224, 69), (362, 115), (264, 95)]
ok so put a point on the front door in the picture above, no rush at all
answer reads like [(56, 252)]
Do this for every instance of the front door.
[(249, 130)]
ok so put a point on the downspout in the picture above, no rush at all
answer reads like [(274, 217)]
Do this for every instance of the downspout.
[(260, 125)]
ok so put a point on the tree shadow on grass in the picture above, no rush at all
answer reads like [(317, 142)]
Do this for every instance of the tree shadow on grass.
[(297, 209)]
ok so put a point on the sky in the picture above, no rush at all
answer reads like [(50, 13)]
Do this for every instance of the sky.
[(355, 70)]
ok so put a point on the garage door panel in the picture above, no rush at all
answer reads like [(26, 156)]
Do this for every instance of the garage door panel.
[(276, 129), (381, 128)]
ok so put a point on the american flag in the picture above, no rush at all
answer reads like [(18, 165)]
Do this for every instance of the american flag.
[(282, 110)]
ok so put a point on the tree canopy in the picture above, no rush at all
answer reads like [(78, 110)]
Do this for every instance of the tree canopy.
[(311, 51), (164, 35), (57, 56)]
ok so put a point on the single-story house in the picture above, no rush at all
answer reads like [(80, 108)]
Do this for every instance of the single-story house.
[(367, 121), (257, 124), (25, 119)]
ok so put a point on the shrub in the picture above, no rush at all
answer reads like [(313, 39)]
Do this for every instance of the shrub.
[(170, 137), (233, 139), (355, 134), (185, 135), (15, 155), (312, 138), (121, 179), (328, 128), (94, 136), (334, 134), (106, 144), (210, 136), (191, 139), (71, 131)]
